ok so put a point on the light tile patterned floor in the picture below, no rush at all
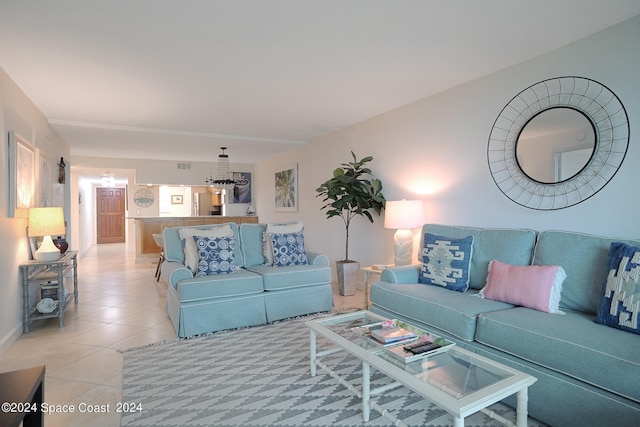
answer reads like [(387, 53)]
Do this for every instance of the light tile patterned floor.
[(118, 308)]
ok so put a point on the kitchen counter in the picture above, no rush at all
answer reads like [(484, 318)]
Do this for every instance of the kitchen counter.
[(146, 227)]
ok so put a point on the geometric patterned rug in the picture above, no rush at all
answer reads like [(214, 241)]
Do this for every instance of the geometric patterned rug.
[(260, 377)]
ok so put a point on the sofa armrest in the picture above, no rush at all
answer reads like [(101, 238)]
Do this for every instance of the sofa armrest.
[(174, 272), (401, 274), (317, 259)]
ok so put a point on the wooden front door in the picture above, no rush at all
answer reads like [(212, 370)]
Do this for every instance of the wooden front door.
[(110, 212)]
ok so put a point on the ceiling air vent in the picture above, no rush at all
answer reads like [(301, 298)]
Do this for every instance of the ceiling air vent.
[(184, 166)]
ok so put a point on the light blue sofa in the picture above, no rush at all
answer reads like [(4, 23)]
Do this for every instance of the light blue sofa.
[(588, 374), (256, 295)]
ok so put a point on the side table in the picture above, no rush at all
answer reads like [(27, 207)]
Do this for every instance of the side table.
[(368, 272), (41, 272), (23, 390)]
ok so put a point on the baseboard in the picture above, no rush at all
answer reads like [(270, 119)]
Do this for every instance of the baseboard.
[(8, 340)]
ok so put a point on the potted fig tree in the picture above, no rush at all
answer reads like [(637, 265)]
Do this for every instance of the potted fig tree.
[(351, 191)]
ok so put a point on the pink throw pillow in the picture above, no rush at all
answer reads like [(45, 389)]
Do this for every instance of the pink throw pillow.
[(532, 286)]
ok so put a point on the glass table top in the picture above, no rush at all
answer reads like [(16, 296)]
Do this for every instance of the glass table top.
[(457, 372)]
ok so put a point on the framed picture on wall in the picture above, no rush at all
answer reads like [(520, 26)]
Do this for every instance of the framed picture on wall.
[(286, 189), (45, 181), (176, 199), (242, 189), (21, 175)]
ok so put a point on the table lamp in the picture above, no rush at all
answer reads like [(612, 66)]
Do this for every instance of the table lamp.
[(403, 215), (46, 222)]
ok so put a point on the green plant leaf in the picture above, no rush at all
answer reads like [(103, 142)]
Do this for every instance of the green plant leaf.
[(352, 190)]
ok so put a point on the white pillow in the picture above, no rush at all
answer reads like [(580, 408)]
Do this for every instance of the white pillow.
[(189, 245), (279, 228)]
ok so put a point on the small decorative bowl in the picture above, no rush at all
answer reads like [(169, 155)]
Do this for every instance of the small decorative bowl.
[(46, 305)]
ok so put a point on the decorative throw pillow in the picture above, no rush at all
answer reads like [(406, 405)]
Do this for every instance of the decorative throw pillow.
[(190, 251), (215, 255), (533, 286), (288, 249), (446, 262), (282, 227), (620, 303)]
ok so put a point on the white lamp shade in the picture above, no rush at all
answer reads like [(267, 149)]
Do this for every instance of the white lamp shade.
[(46, 222), (403, 214)]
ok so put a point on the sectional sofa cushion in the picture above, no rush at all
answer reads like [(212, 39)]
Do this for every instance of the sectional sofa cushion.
[(572, 344), (288, 249), (620, 303), (534, 286), (206, 288), (446, 261), (251, 245), (215, 255), (584, 258), (452, 312), (511, 246), (294, 276)]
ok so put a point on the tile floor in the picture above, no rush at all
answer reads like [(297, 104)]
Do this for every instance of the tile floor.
[(119, 308)]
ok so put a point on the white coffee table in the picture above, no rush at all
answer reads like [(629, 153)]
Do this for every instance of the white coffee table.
[(458, 381)]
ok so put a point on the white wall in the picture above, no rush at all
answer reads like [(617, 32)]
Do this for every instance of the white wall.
[(436, 150), (160, 172), (167, 208), (17, 113)]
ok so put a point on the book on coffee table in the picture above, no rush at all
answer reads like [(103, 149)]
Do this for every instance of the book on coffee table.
[(396, 348), (392, 335)]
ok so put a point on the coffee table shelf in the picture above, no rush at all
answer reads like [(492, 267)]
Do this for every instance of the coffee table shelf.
[(458, 381)]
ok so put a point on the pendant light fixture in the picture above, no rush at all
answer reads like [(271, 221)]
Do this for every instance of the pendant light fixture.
[(224, 179)]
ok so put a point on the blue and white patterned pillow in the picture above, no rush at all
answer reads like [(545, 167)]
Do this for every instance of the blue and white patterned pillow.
[(288, 249), (620, 303), (215, 255), (446, 262)]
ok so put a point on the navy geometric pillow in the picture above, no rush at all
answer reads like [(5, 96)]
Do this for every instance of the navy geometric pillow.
[(446, 262), (620, 303), (215, 255), (288, 249)]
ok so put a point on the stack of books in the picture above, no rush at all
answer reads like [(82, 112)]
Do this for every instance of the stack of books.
[(50, 290), (391, 335)]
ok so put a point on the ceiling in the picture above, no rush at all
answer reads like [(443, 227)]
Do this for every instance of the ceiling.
[(177, 79)]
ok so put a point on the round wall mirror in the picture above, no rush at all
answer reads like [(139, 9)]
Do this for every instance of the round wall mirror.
[(558, 142), (555, 145)]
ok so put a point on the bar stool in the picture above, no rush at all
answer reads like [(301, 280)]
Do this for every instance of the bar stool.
[(160, 242)]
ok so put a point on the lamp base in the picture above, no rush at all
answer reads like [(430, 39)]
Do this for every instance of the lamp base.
[(47, 251), (403, 249)]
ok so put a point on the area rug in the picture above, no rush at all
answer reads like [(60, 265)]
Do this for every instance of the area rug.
[(260, 377)]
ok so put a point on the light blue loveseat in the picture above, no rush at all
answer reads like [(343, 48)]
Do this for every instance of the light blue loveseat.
[(257, 294), (588, 374)]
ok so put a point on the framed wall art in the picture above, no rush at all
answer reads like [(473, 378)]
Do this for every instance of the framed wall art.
[(242, 189), (45, 181), (176, 199), (286, 189), (21, 175)]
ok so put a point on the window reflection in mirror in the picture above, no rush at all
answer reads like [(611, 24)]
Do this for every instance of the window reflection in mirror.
[(555, 145)]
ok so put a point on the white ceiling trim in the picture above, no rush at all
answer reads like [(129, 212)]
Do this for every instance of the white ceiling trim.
[(105, 126)]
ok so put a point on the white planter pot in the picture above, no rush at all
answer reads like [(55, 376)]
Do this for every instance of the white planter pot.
[(347, 277)]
